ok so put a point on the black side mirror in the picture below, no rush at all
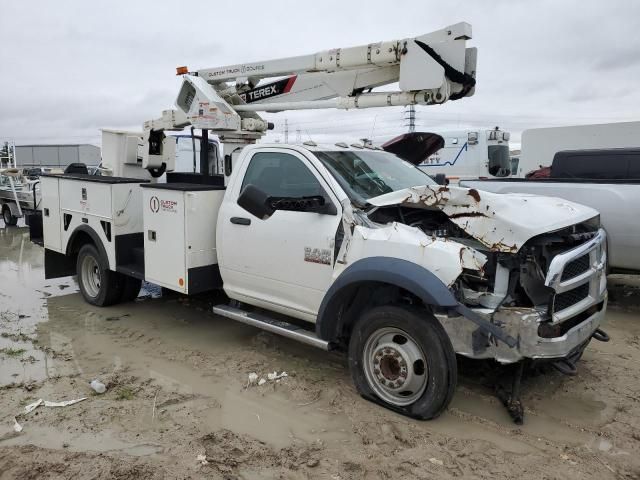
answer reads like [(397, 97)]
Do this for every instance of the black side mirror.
[(315, 204), (227, 165), (255, 201)]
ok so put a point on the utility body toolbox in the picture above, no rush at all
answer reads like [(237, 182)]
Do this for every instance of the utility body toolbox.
[(108, 208), (180, 235)]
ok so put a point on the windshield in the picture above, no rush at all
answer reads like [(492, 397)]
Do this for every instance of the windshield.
[(367, 174), (499, 161)]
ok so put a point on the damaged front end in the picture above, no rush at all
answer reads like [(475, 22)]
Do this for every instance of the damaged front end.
[(531, 267), (550, 295)]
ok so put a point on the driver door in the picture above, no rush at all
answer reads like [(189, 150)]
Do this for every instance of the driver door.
[(283, 262)]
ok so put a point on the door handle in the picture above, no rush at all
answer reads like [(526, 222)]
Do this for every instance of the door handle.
[(240, 221)]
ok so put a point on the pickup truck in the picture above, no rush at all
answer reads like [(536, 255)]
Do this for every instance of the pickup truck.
[(347, 248), (607, 180)]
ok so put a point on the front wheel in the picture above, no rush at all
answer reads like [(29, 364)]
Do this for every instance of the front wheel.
[(98, 285), (402, 358), (7, 216)]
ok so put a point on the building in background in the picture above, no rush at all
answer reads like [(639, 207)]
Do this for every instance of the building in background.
[(56, 156)]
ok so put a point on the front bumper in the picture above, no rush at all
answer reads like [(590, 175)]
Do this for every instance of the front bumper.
[(522, 324)]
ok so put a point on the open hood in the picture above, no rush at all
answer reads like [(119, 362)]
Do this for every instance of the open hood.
[(414, 147), (501, 221)]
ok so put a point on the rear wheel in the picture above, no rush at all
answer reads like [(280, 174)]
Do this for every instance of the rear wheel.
[(98, 285), (402, 358), (7, 216)]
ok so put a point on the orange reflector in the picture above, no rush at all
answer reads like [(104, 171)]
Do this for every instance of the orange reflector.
[(181, 282), (182, 70)]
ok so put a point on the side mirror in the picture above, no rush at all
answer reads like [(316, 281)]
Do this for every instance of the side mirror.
[(227, 165), (315, 204), (255, 201)]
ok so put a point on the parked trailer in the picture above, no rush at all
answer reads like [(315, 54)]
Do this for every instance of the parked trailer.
[(539, 145), (19, 189)]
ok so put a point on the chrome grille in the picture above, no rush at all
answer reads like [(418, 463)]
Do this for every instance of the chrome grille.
[(577, 278), (576, 267), (571, 297)]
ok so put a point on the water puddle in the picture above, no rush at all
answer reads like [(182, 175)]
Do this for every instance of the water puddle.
[(102, 442), (23, 305)]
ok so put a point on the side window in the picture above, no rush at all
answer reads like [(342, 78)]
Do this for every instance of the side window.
[(281, 175), (599, 165), (184, 155), (634, 165)]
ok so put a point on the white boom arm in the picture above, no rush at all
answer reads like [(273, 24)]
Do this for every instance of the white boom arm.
[(429, 69)]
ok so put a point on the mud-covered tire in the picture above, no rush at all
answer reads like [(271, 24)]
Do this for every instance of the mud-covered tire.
[(131, 288), (7, 216), (407, 336), (98, 285)]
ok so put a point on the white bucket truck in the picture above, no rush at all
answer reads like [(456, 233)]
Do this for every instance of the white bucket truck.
[(341, 247)]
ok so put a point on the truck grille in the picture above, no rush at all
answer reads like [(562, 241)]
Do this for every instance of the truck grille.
[(576, 267), (571, 297), (576, 276)]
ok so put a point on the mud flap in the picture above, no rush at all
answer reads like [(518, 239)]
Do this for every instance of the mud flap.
[(13, 208)]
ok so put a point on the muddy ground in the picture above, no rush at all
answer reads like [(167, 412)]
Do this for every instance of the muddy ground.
[(176, 380)]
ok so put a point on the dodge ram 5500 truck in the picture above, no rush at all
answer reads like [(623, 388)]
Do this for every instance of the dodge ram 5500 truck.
[(396, 270), (341, 247)]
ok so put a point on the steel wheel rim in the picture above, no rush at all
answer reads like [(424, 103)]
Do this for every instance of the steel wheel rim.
[(395, 366), (91, 277)]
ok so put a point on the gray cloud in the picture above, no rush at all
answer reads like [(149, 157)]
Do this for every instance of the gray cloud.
[(71, 67)]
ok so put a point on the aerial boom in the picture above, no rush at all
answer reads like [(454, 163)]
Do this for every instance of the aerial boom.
[(428, 69)]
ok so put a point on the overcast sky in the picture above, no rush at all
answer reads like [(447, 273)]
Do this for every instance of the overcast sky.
[(69, 68)]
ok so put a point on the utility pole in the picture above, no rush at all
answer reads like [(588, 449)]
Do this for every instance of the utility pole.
[(411, 118), (286, 130), (298, 135)]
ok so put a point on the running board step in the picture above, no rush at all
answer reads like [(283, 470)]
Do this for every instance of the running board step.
[(271, 325)]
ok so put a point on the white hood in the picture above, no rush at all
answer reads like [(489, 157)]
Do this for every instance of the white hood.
[(501, 221)]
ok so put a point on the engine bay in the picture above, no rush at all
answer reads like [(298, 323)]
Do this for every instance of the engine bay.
[(506, 279)]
